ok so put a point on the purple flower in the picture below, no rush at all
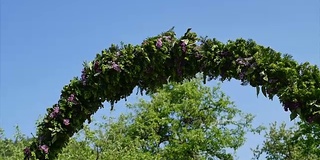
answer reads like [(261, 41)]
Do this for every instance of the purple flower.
[(168, 38), (118, 54), (66, 122), (310, 119), (71, 98), (242, 61), (241, 75), (183, 47), (27, 152), (56, 109), (55, 112), (271, 90), (97, 67), (272, 80), (291, 105), (116, 67), (52, 115), (225, 53), (83, 77), (44, 148), (96, 64), (198, 55), (159, 43)]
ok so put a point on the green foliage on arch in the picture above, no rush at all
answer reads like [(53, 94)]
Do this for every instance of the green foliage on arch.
[(114, 73)]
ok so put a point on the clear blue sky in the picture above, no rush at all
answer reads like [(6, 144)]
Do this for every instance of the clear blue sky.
[(43, 45)]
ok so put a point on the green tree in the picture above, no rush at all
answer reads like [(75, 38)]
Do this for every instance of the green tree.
[(301, 141), (12, 148), (182, 121)]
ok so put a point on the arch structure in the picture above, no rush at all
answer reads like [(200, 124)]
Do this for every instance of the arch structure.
[(116, 71)]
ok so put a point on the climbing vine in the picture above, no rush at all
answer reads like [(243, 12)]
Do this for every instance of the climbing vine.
[(116, 71)]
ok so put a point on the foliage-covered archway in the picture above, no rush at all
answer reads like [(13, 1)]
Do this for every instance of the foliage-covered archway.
[(114, 73)]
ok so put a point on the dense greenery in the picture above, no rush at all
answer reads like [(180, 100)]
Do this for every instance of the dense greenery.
[(114, 73), (296, 143), (182, 121)]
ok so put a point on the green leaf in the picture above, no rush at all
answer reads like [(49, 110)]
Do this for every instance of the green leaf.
[(54, 139), (168, 79), (293, 115), (264, 91), (258, 90), (265, 78), (186, 41), (298, 110), (90, 65), (250, 70)]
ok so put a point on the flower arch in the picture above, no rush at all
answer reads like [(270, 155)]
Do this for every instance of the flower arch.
[(114, 73)]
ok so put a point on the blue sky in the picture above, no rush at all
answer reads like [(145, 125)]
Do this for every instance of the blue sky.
[(43, 45)]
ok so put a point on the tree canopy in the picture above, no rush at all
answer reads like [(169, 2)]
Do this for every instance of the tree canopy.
[(302, 141), (114, 73)]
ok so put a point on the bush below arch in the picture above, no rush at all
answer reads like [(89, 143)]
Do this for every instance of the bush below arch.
[(116, 71)]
